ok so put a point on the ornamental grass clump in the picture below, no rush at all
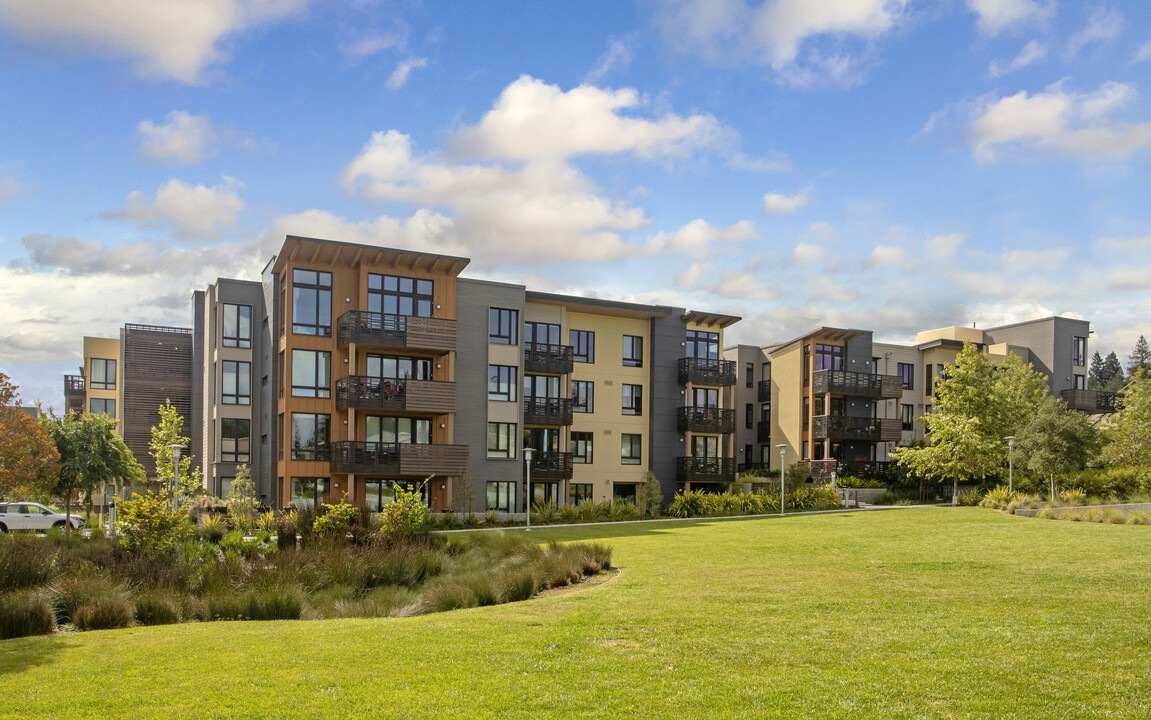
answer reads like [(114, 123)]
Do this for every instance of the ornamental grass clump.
[(25, 561), (212, 528), (156, 608), (25, 613), (106, 611)]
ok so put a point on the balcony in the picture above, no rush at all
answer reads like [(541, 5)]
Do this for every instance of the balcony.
[(855, 384), (395, 331), (547, 411), (373, 393), (373, 458), (764, 391), (706, 420), (842, 427), (705, 469), (73, 385), (763, 431), (703, 371), (545, 358), (551, 466), (869, 469), (1089, 401)]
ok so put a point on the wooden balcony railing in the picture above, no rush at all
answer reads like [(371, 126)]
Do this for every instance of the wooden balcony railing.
[(373, 393), (547, 411), (705, 469), (843, 427), (704, 371), (545, 358), (1089, 401), (551, 466), (706, 420), (73, 384), (374, 458), (842, 382), (400, 331)]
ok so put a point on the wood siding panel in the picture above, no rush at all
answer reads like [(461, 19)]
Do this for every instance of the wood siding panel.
[(433, 459)]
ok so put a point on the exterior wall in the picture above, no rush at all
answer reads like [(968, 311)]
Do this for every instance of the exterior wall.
[(157, 367), (787, 403), (890, 355), (742, 396), (667, 396), (104, 349), (473, 409), (953, 332), (1052, 344)]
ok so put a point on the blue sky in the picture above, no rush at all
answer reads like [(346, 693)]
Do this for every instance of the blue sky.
[(885, 164)]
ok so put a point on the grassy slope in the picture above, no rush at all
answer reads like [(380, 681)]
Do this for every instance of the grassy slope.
[(909, 613)]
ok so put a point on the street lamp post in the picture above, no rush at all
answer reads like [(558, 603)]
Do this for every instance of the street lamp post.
[(528, 494), (1010, 465), (782, 475), (176, 475)]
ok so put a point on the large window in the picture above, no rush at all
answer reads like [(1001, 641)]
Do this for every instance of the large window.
[(236, 383), (631, 449), (378, 494), (632, 351), (393, 367), (583, 345), (749, 375), (907, 416), (502, 440), (632, 399), (503, 326), (502, 382), (749, 415), (583, 396), (906, 372), (310, 436), (237, 326), (311, 373), (391, 430), (1079, 353), (1080, 382), (312, 303), (541, 386), (581, 447), (235, 440), (103, 376), (404, 296), (501, 496), (102, 405), (542, 333), (705, 397), (703, 345), (579, 493), (308, 492), (828, 357)]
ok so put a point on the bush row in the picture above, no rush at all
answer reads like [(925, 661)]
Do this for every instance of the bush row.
[(699, 504)]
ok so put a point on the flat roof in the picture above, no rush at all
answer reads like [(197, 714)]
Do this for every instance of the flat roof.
[(598, 305)]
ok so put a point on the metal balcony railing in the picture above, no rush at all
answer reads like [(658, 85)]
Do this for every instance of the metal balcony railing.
[(705, 371), (856, 384), (547, 358), (547, 411), (706, 420), (387, 330), (705, 469)]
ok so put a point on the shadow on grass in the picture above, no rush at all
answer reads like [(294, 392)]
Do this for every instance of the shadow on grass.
[(20, 654)]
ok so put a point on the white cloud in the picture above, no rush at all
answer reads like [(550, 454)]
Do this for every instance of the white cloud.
[(806, 254), (742, 285), (1143, 54), (183, 139), (533, 120), (699, 235), (1047, 260), (195, 212), (821, 232), (776, 204), (175, 39), (1104, 24), (995, 16), (1128, 278), (1031, 53), (800, 40), (944, 246), (399, 76), (774, 162), (690, 275), (1059, 122), (1123, 248), (424, 231), (10, 185), (370, 45), (885, 256), (617, 57)]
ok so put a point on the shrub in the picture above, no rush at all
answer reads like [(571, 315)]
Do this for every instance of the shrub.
[(997, 498), (264, 604), (449, 596), (852, 482), (212, 528), (969, 498), (104, 612), (148, 524), (406, 514), (519, 585), (335, 520), (24, 562), (155, 608), (23, 614), (545, 513), (1073, 496), (266, 522)]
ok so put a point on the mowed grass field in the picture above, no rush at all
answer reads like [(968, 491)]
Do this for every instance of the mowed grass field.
[(918, 613)]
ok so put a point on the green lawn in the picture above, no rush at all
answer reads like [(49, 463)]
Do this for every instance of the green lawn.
[(906, 613)]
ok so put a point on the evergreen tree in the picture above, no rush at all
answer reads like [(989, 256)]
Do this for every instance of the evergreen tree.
[(1095, 372), (1140, 357), (1113, 378)]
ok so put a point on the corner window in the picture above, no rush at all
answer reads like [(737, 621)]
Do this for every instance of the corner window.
[(632, 351), (236, 383), (312, 303), (631, 449), (404, 296), (310, 436), (632, 399), (503, 326), (311, 373), (103, 375), (237, 331), (501, 440)]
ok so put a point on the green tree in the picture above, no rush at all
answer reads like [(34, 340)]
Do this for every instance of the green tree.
[(28, 457), (1095, 380), (170, 432), (1140, 358), (650, 496), (91, 455), (148, 524), (1056, 440), (242, 500), (958, 449), (1112, 376), (1128, 436)]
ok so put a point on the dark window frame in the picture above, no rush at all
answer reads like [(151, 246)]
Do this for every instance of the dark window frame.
[(104, 406), (636, 398), (105, 384), (505, 445), (906, 372), (302, 289), (582, 447), (583, 345), (503, 326), (235, 453), (633, 351), (317, 389), (505, 495), (582, 494), (631, 443), (532, 330), (503, 383), (243, 371), (419, 295), (242, 335), (320, 441), (907, 416), (583, 396)]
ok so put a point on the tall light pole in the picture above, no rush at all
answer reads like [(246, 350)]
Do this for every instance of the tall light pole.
[(782, 474), (528, 495), (1010, 465), (176, 475)]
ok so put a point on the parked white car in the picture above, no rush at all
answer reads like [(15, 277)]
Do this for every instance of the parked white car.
[(33, 516)]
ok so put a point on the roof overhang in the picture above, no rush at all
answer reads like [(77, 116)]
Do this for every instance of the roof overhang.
[(334, 252), (597, 306), (708, 318)]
